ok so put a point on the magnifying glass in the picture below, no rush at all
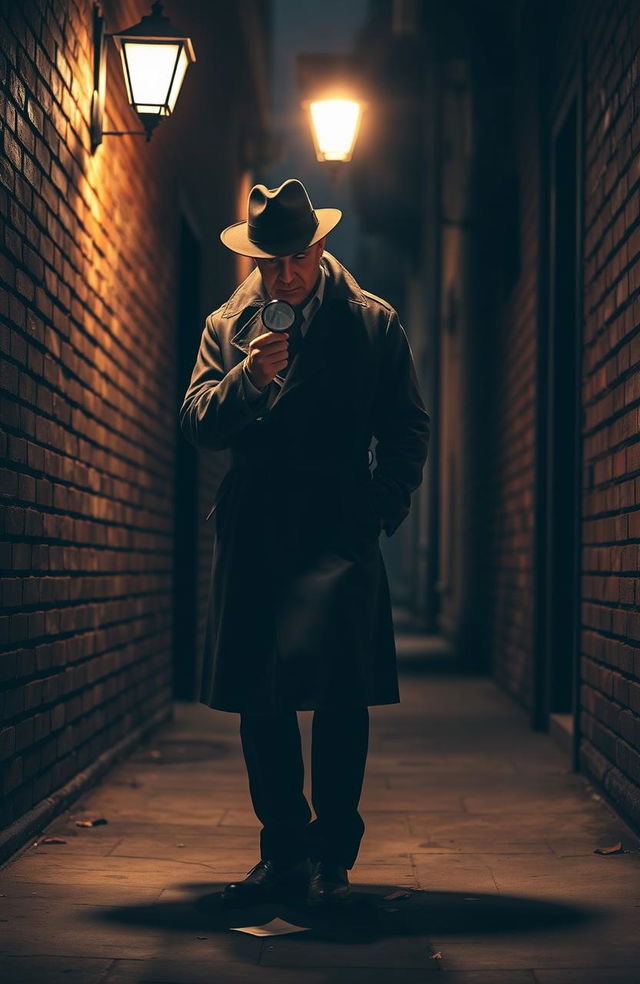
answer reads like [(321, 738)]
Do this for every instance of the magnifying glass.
[(278, 315)]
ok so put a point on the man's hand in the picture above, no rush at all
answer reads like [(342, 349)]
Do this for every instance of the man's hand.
[(268, 354)]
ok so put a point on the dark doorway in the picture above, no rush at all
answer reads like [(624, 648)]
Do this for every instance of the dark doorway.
[(561, 418), (185, 594)]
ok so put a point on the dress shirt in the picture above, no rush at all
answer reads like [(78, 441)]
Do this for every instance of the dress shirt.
[(252, 393)]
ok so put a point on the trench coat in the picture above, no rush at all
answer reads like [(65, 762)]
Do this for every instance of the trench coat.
[(299, 612)]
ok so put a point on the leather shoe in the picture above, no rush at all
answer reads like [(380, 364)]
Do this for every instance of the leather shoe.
[(329, 882), (265, 880)]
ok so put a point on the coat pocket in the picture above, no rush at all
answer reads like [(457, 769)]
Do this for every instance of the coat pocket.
[(362, 509)]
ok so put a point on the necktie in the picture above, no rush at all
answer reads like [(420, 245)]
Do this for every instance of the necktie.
[(295, 341)]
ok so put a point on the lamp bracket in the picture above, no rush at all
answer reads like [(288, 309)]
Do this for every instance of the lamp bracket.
[(124, 133), (99, 86), (99, 78)]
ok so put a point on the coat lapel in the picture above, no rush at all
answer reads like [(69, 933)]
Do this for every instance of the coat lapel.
[(249, 327), (318, 346)]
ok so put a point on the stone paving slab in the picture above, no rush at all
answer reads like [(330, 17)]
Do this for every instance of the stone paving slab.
[(588, 975), (83, 870), (520, 801), (583, 822), (54, 970), (454, 874), (521, 953), (215, 852), (148, 813), (77, 845), (581, 845), (448, 976), (384, 875), (132, 972), (433, 769), (591, 877), (390, 953), (411, 799), (128, 930), (110, 893), (479, 847)]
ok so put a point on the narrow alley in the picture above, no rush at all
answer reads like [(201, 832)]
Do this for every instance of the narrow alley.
[(320, 378), (478, 818)]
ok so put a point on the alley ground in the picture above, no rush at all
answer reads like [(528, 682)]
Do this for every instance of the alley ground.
[(477, 817)]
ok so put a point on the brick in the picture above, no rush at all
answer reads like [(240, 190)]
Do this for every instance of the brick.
[(13, 151), (41, 725), (12, 775), (24, 734), (7, 742)]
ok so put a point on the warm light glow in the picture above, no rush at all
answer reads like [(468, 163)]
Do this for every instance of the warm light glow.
[(335, 124), (148, 70), (183, 64)]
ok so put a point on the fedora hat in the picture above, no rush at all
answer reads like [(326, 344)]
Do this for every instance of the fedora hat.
[(280, 221)]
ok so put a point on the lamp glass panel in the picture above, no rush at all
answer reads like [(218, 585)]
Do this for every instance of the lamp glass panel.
[(183, 64), (335, 122), (150, 70)]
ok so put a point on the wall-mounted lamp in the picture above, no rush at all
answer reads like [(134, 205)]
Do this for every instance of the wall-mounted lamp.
[(331, 95), (334, 127), (155, 57)]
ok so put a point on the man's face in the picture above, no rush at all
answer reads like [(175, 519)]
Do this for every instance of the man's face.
[(291, 278)]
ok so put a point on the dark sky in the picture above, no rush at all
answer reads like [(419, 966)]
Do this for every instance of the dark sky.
[(310, 26)]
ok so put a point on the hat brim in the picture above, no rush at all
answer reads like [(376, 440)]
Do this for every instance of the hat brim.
[(235, 237)]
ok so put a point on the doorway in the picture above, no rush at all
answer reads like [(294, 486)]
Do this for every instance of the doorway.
[(560, 451)]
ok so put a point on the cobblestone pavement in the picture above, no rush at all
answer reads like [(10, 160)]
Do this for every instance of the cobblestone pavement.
[(478, 818)]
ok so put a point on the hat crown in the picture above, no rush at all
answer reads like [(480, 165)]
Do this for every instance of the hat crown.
[(281, 217), (280, 222)]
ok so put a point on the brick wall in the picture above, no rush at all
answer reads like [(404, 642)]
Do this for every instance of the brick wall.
[(88, 410), (493, 295), (510, 431), (609, 690), (90, 331), (610, 624)]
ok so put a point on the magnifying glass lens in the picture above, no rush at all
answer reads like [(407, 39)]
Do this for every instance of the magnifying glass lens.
[(278, 315)]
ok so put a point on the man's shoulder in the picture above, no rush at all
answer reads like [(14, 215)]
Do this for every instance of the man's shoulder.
[(248, 294), (344, 286), (379, 302)]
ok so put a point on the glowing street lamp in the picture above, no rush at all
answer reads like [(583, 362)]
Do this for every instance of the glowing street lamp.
[(330, 91), (334, 127), (155, 56)]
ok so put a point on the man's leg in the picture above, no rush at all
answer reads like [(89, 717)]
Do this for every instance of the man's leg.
[(340, 740), (273, 755)]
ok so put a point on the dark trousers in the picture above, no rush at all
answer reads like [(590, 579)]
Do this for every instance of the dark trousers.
[(273, 755)]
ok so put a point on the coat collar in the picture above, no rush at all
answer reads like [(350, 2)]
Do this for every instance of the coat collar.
[(246, 302), (251, 292)]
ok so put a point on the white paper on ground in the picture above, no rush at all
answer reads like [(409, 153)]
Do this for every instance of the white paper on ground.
[(276, 927)]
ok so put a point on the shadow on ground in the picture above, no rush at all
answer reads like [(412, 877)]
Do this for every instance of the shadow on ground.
[(365, 918)]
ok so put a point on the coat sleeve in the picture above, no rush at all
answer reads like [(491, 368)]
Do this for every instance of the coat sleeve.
[(216, 405), (401, 425), (251, 392)]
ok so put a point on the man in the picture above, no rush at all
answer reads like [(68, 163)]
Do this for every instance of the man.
[(299, 608)]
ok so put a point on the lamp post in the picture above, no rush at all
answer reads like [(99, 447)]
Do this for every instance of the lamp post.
[(155, 56)]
